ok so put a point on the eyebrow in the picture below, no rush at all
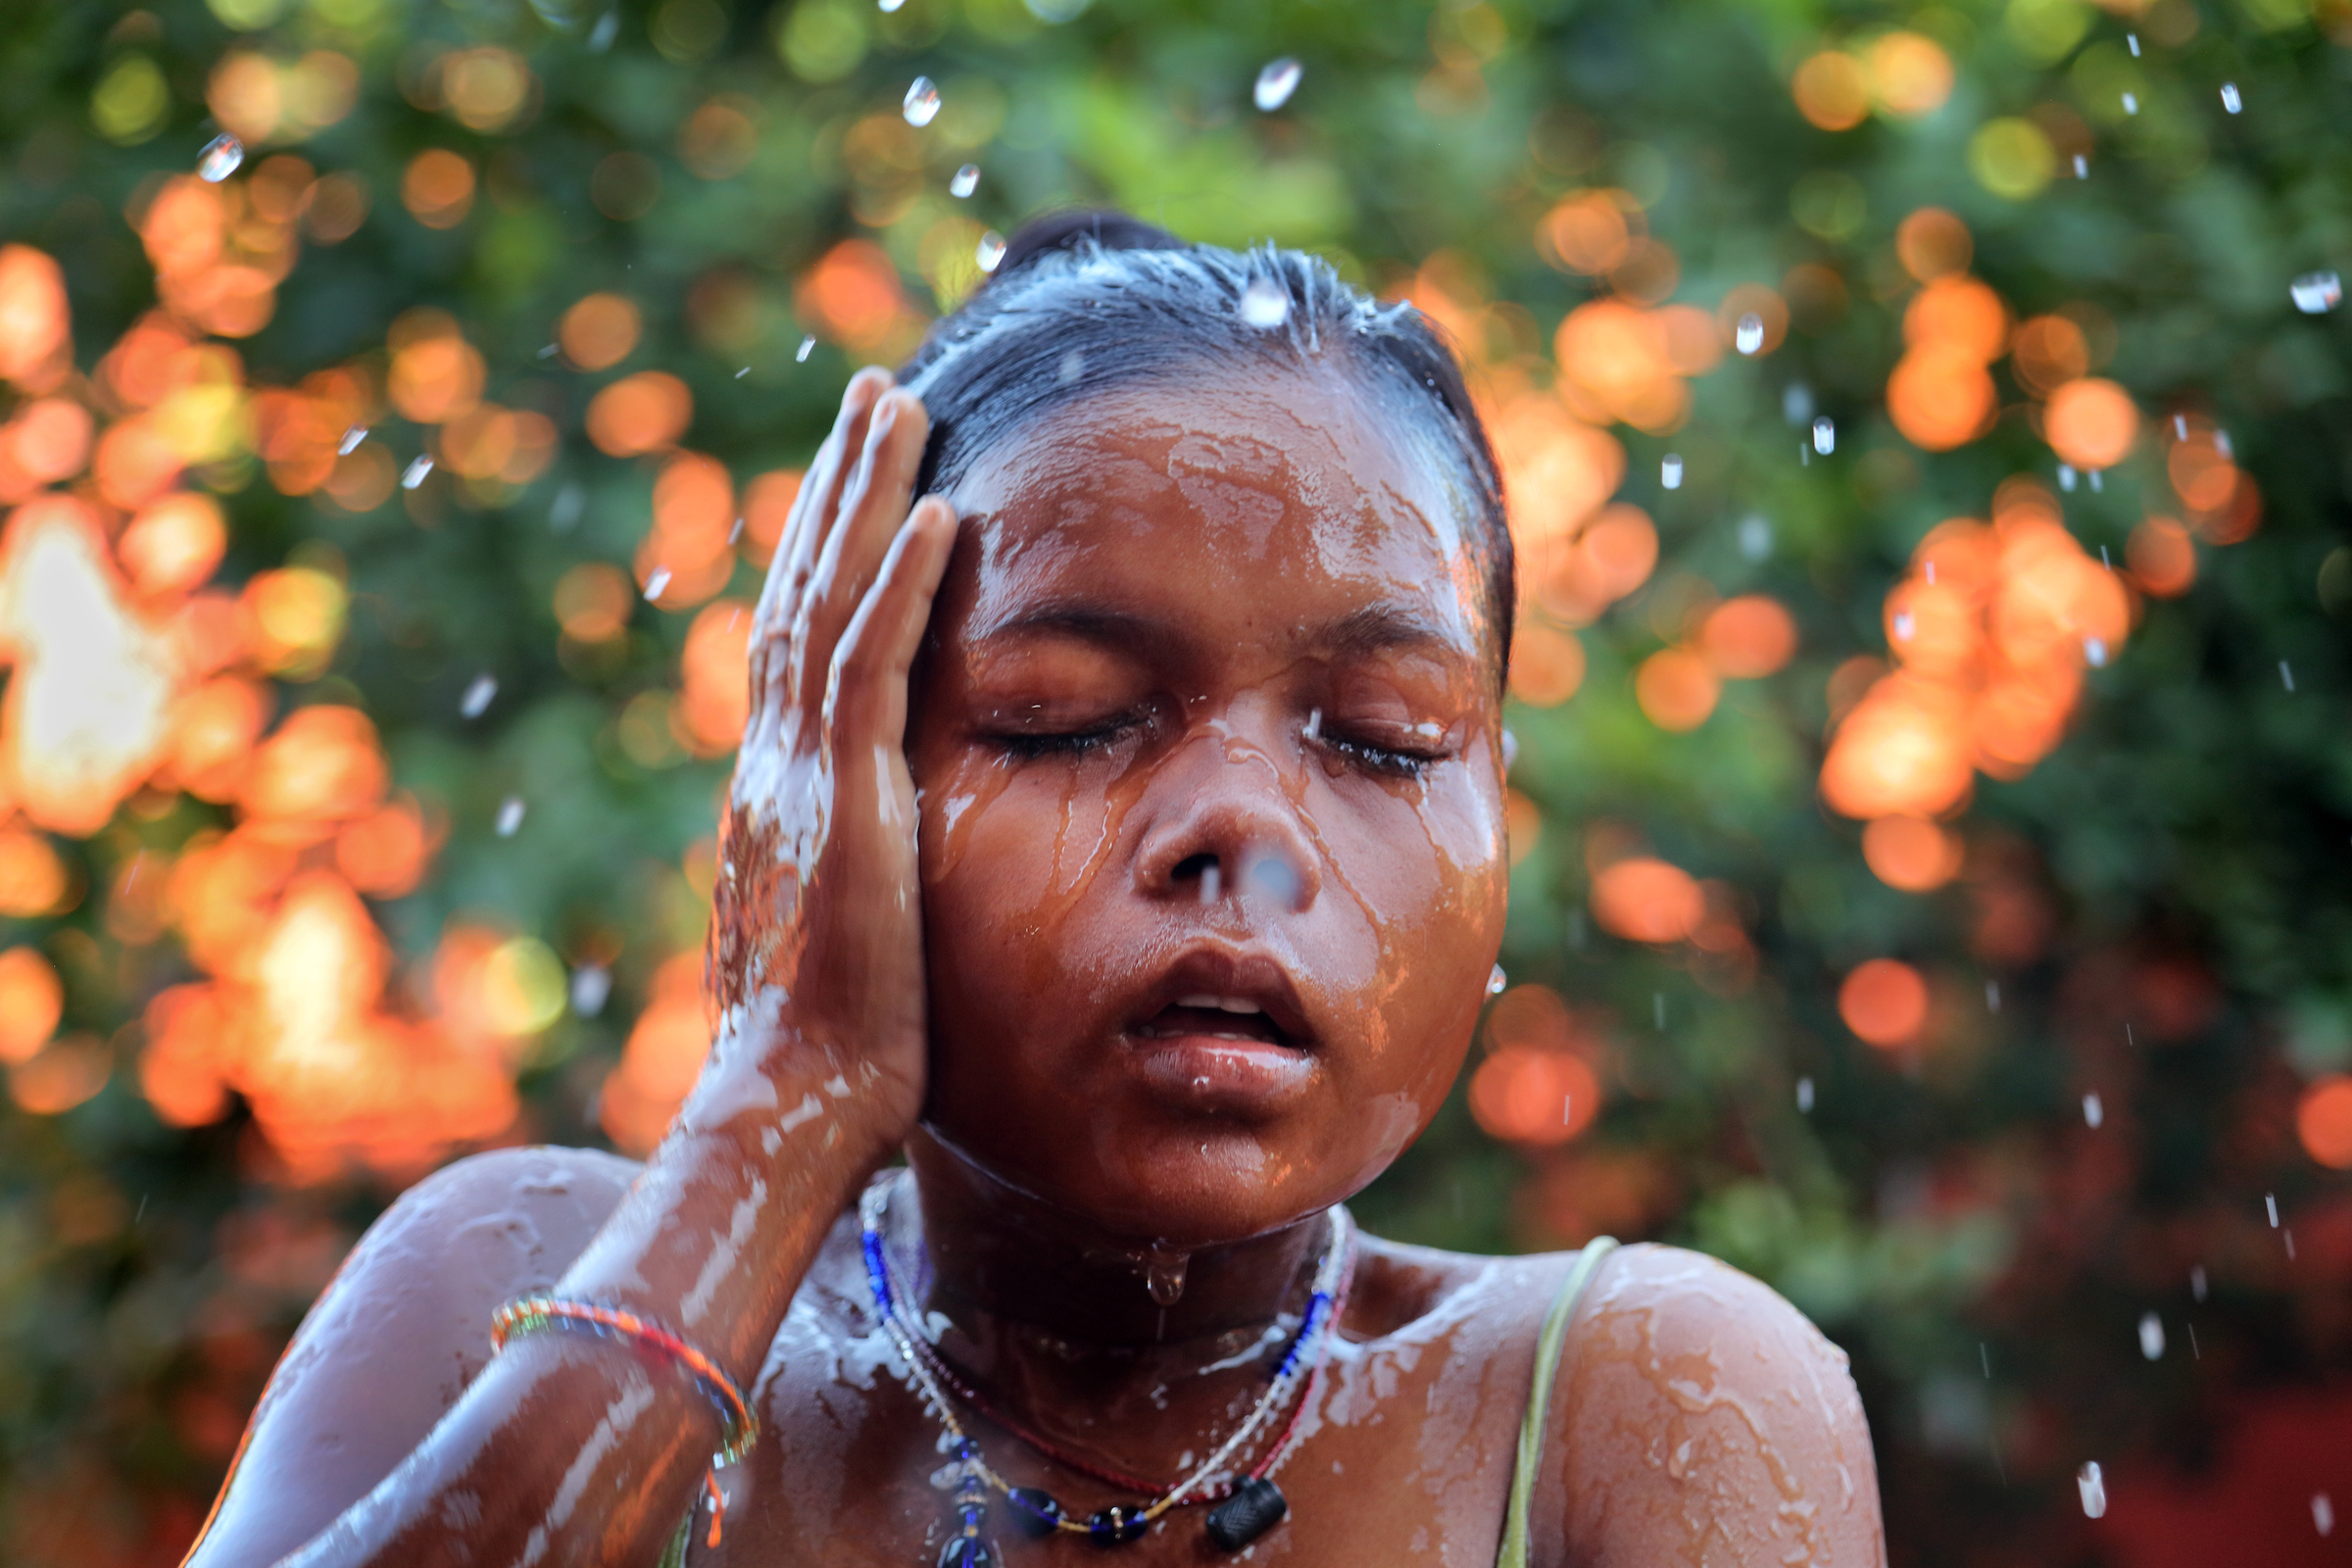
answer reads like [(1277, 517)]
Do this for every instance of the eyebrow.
[(1372, 629)]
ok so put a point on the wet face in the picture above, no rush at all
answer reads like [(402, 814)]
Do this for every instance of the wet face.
[(1212, 851)]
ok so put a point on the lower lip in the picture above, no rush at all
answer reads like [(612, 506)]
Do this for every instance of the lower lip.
[(1210, 1075)]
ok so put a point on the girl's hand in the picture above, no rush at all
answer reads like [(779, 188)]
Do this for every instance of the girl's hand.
[(817, 932)]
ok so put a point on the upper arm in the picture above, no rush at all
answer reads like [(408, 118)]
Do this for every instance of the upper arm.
[(396, 1338), (1703, 1420)]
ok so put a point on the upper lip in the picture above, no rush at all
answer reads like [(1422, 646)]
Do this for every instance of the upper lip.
[(1213, 971)]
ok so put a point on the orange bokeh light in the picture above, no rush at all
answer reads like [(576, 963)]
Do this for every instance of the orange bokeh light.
[(2090, 423), (437, 188), (35, 328), (1910, 73), (1526, 1096), (714, 699), (1748, 637), (1643, 899), (600, 331), (1832, 90), (33, 881), (1911, 854), (1885, 1001), (2163, 557), (321, 768), (661, 1059), (1933, 243), (436, 374), (1677, 689), (2047, 351), (592, 602), (384, 853), (647, 411), (852, 295), (173, 544), (1548, 665), (31, 1002), (214, 730), (2324, 1121), (1590, 231)]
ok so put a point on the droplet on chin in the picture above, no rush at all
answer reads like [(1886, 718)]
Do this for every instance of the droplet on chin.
[(1163, 1273)]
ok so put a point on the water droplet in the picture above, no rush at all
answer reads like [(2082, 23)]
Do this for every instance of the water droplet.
[(1276, 83), (1163, 1273), (2093, 1111), (509, 817), (1992, 995), (2093, 1487), (1904, 625), (1755, 537), (2317, 293), (2269, 1206), (1805, 1096), (1670, 471), (2133, 39), (1265, 303), (1748, 336), (590, 986), (2180, 426), (1657, 1007), (1072, 366), (1825, 436), (2196, 1281), (414, 474), (2130, 102), (476, 701), (548, 351), (890, 5), (2151, 1336), (219, 158), (2230, 101), (351, 441), (966, 181), (1314, 724), (2098, 479), (1567, 1110), (808, 347), (2066, 477), (566, 510), (655, 581), (923, 102), (740, 374), (2081, 166), (608, 29), (1212, 884), (991, 251), (2094, 652), (2286, 678), (2323, 1513), (1796, 403), (1929, 568), (1497, 981), (2221, 444)]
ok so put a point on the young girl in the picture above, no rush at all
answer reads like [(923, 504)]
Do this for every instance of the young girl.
[(1118, 835)]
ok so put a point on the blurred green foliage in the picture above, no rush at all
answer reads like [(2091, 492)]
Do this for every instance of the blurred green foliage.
[(2178, 868)]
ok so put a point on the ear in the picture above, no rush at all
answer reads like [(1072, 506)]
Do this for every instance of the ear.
[(1510, 750)]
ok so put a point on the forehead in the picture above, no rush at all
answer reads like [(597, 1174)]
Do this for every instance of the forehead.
[(1271, 490)]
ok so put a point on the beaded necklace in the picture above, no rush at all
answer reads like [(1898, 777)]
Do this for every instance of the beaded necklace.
[(1244, 1507)]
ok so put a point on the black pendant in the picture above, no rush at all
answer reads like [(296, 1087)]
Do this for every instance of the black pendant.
[(1257, 1506), (1035, 1511), (1116, 1526)]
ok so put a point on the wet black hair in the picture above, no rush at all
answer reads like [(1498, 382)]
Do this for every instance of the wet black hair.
[(1083, 301)]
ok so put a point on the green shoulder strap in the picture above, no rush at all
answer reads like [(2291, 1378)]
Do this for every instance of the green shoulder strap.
[(1538, 1400), (674, 1556)]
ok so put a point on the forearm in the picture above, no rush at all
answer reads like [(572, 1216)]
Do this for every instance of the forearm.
[(570, 1448)]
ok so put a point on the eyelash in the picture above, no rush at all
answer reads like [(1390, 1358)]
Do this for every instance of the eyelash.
[(1029, 746)]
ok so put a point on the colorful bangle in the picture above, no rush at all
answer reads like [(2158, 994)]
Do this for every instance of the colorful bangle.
[(528, 1314)]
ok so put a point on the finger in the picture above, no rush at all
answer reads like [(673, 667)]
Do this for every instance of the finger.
[(873, 508), (805, 527), (877, 651)]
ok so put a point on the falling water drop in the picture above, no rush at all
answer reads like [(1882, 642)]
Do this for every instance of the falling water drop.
[(2269, 1206), (1670, 471), (740, 374), (2130, 102), (2093, 1111), (2133, 39), (2094, 652), (1904, 625), (414, 474), (1805, 1096), (1265, 303), (2098, 478), (2093, 1487), (567, 508), (2287, 676), (2323, 1513), (1796, 403), (2081, 166), (1825, 436), (655, 581), (991, 251), (351, 441), (966, 181), (590, 986), (1275, 84), (1498, 982), (1929, 568), (890, 5), (1992, 995), (509, 817), (2317, 293), (608, 29), (2180, 426), (1212, 885), (2067, 477), (1163, 1273), (1755, 537), (1748, 336), (808, 347), (2230, 101), (2151, 1336), (2196, 1281), (476, 701), (219, 158), (923, 102)]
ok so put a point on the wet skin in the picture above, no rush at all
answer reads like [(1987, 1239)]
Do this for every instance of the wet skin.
[(1153, 925)]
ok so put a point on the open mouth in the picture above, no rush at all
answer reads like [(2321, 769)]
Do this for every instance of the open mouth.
[(1216, 1017)]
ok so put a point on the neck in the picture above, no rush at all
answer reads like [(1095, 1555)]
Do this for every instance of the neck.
[(1003, 1264)]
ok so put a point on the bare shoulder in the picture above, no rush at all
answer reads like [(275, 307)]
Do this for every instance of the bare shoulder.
[(1701, 1418), (402, 1329)]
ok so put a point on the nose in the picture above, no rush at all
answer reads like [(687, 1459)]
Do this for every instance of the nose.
[(1223, 827)]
